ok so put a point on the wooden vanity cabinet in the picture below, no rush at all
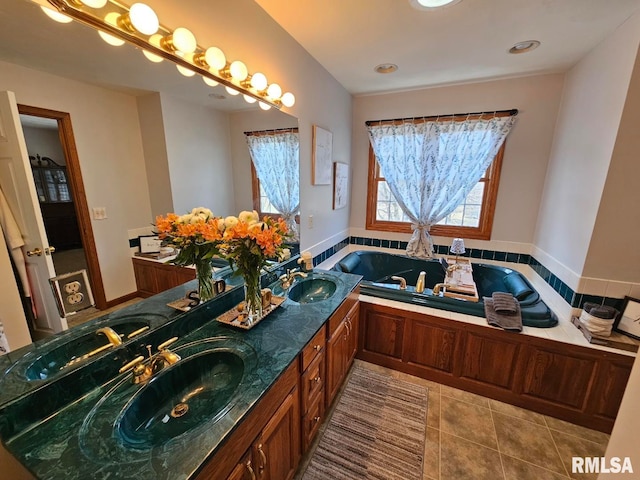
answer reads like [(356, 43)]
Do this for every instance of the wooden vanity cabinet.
[(312, 387), (342, 344), (153, 277)]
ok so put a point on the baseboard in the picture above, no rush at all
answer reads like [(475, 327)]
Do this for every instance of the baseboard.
[(119, 300)]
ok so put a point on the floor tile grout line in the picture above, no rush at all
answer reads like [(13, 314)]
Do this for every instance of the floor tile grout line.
[(576, 436), (470, 441), (556, 447), (495, 432), (464, 401), (535, 465)]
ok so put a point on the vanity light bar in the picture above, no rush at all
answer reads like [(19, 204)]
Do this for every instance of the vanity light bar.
[(165, 44)]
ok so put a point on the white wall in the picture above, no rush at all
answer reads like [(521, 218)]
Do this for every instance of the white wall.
[(155, 154), (613, 252), (107, 135), (526, 155), (590, 113), (44, 142), (199, 156)]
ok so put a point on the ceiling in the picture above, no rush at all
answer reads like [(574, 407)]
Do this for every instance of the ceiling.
[(464, 42), (461, 43)]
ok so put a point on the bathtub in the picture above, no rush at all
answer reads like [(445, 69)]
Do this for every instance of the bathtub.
[(377, 268)]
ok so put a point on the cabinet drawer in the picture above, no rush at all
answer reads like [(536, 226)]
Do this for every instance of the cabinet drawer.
[(311, 422), (313, 382), (313, 348)]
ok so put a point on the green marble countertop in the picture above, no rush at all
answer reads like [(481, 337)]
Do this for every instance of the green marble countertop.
[(74, 439)]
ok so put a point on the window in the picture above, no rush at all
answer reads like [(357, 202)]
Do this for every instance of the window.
[(261, 203), (473, 218)]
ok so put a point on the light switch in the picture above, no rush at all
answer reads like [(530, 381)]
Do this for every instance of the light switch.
[(99, 213)]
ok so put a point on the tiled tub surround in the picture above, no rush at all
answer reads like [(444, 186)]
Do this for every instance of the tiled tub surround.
[(595, 290), (43, 427)]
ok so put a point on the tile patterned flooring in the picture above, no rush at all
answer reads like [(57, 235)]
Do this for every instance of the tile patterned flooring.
[(476, 438)]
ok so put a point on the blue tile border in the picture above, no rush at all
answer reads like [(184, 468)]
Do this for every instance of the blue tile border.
[(573, 298)]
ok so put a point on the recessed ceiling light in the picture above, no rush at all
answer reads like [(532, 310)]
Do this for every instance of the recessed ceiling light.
[(524, 47), (386, 68), (431, 4)]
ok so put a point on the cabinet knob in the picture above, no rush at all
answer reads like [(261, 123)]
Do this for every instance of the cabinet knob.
[(317, 379), (317, 347), (316, 419)]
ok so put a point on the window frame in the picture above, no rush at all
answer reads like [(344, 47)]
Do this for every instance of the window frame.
[(487, 209)]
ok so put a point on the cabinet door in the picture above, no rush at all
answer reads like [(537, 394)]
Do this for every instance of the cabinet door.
[(184, 275), (383, 333), (352, 322), (336, 361), (244, 470), (166, 277), (145, 278), (277, 450)]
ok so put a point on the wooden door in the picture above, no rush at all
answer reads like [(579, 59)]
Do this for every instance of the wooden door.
[(16, 181), (277, 450)]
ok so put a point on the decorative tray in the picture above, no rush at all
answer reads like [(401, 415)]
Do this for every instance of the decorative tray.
[(236, 318)]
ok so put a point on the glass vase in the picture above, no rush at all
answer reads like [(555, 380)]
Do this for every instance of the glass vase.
[(204, 275), (252, 296)]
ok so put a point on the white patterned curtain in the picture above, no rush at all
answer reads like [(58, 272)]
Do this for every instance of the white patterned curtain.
[(431, 166), (275, 158)]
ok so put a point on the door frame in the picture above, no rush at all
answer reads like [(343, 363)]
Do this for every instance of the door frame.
[(65, 132)]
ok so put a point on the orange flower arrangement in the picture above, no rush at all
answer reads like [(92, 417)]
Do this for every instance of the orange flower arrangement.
[(245, 241)]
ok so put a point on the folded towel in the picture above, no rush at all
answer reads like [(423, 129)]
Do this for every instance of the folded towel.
[(506, 322), (504, 303)]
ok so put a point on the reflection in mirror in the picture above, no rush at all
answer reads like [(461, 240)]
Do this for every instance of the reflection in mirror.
[(191, 148)]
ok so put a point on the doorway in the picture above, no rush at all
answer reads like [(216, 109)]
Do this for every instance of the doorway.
[(61, 193)]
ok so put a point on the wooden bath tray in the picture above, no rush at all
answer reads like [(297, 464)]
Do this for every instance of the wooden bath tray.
[(466, 287), (235, 318)]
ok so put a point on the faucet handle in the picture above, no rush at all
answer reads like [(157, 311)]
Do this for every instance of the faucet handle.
[(164, 345), (133, 363)]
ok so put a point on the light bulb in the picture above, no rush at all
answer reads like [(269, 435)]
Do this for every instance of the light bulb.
[(215, 58), (259, 81), (155, 41), (274, 90), (264, 106), (249, 99), (238, 71), (185, 71), (288, 99), (55, 15), (181, 39), (208, 81), (232, 91), (94, 3), (110, 39), (144, 19)]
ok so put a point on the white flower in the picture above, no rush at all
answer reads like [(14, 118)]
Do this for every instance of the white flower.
[(249, 217), (185, 218), (205, 213), (230, 221)]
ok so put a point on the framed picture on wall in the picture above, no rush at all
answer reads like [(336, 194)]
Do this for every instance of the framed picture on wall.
[(628, 321), (340, 185), (321, 156)]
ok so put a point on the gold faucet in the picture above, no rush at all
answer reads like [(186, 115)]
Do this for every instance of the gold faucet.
[(164, 358), (288, 278), (111, 334), (403, 282), (439, 286)]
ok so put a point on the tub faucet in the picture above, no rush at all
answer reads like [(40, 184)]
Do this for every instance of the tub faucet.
[(288, 278), (403, 282), (111, 334), (439, 286)]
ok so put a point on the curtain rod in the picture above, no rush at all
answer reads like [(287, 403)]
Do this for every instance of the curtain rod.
[(265, 132), (512, 112)]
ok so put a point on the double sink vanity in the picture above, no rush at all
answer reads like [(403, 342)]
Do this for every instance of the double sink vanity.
[(179, 394)]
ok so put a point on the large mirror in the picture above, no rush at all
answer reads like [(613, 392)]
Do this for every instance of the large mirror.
[(149, 140)]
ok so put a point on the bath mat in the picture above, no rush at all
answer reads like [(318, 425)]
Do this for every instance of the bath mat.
[(377, 431)]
